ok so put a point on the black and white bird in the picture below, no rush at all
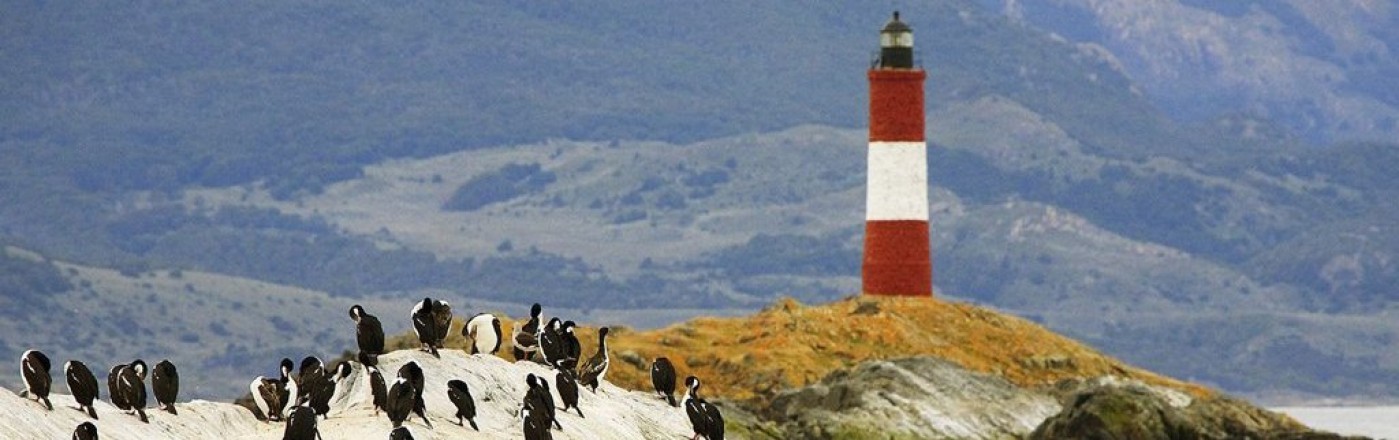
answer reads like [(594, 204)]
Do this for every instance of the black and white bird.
[(165, 385), (535, 426), (414, 375), (400, 401), (316, 384), (595, 369), (34, 367), (267, 395), (573, 350), (425, 324), (705, 419), (301, 423), (663, 379), (537, 409), (274, 397), (113, 377), (567, 382), (401, 433), (460, 396), (82, 385), (309, 371), (551, 343), (378, 389), (85, 431), (482, 333), (131, 388), (540, 400), (526, 337), (369, 333)]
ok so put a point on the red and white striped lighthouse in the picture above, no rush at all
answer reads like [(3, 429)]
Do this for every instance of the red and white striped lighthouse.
[(897, 257)]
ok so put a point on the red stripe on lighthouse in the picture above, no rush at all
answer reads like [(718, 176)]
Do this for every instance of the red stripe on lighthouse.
[(897, 259), (896, 105)]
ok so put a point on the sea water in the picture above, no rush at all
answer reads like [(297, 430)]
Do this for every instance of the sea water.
[(1380, 422)]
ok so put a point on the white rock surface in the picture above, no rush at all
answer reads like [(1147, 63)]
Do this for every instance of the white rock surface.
[(498, 387)]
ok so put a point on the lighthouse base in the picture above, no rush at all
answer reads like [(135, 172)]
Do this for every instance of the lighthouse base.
[(897, 259)]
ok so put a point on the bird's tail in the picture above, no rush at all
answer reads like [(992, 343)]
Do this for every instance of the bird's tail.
[(92, 411), (580, 411), (671, 398), (48, 404), (171, 408), (473, 424), (142, 414)]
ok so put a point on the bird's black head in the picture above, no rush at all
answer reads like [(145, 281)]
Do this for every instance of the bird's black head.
[(287, 366), (602, 332), (427, 304), (692, 383), (568, 326), (89, 429), (456, 384), (140, 367), (356, 311), (554, 323), (532, 380), (310, 363), (535, 310), (343, 370)]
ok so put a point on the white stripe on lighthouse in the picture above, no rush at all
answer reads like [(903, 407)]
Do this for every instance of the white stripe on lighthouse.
[(898, 181)]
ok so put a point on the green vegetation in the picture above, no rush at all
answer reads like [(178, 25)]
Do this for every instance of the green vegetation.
[(509, 182)]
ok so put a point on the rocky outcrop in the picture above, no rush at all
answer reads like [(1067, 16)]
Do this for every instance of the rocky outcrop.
[(929, 397), (1099, 409), (921, 397)]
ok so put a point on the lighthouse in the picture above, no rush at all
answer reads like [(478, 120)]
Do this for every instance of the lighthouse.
[(897, 259)]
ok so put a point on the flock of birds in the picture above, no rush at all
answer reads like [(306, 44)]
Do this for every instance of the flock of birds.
[(301, 396)]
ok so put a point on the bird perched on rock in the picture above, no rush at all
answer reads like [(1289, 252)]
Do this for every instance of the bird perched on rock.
[(538, 399), (412, 373), (595, 369), (551, 346), (460, 396), (131, 388), (427, 323), (573, 351), (535, 426), (568, 390), (526, 337), (369, 334), (34, 367), (316, 385), (301, 423), (165, 385), (705, 419), (400, 401), (378, 389), (275, 397), (482, 333), (82, 385), (663, 379)]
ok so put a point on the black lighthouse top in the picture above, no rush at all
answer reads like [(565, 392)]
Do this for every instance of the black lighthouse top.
[(895, 45)]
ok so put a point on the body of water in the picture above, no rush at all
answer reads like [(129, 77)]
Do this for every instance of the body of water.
[(1381, 422)]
